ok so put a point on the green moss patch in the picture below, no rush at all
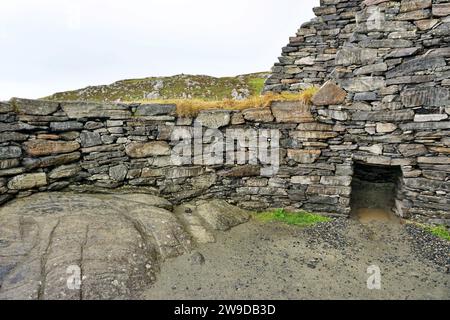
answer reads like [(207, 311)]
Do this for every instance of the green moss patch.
[(301, 218)]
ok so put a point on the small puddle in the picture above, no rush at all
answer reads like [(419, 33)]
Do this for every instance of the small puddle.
[(368, 215)]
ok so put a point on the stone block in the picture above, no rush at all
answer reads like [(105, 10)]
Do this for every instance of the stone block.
[(147, 149), (38, 148), (329, 94), (28, 181), (291, 112), (304, 156)]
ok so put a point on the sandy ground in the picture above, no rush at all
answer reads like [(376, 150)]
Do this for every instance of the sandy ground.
[(328, 261)]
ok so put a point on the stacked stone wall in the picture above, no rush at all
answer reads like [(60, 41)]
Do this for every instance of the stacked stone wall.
[(384, 72)]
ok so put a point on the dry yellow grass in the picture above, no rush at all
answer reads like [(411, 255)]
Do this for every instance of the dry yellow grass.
[(191, 107)]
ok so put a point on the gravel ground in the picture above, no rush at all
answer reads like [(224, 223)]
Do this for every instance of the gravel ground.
[(328, 261), (428, 247)]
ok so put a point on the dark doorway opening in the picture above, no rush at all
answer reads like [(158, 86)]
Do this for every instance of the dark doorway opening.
[(374, 190)]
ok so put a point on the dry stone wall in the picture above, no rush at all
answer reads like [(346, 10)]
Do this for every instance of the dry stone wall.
[(49, 146)]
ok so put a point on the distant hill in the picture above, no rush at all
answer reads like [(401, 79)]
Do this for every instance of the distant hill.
[(175, 87)]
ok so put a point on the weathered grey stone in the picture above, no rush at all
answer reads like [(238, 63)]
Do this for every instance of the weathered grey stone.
[(148, 149), (291, 112), (93, 125), (9, 163), (258, 115), (430, 117), (375, 149), (410, 79), (412, 5), (306, 61), (66, 126), (28, 181), (64, 171), (386, 127), (37, 148), (344, 170), (76, 110), (403, 52), (418, 64), (90, 139), (6, 107), (314, 126), (34, 107), (11, 172), (426, 184), (12, 136), (386, 43), (44, 162), (116, 241), (329, 94), (156, 110), (237, 118), (184, 172), (348, 56), (334, 114), (19, 126), (242, 171), (363, 84), (441, 10), (305, 180), (336, 181), (365, 96), (329, 190), (426, 24), (426, 96), (10, 152), (441, 30), (220, 215), (306, 135), (118, 173), (214, 119), (414, 15), (304, 156), (379, 67), (373, 2), (412, 150), (383, 115), (434, 160), (425, 125)]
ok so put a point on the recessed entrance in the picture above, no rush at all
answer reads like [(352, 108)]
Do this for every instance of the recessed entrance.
[(374, 190)]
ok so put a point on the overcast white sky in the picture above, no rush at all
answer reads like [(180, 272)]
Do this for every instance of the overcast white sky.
[(56, 45)]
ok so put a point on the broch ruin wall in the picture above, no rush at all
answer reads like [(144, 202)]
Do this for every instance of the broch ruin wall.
[(384, 72)]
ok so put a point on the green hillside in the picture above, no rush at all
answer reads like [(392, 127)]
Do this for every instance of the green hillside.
[(166, 88)]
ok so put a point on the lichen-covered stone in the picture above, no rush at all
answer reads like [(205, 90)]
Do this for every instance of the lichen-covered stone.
[(147, 149), (258, 115), (37, 148), (329, 94), (35, 107), (28, 181), (292, 112), (156, 110), (10, 152), (214, 119), (304, 156)]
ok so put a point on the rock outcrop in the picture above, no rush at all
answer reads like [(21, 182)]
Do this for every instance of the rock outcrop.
[(115, 241)]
